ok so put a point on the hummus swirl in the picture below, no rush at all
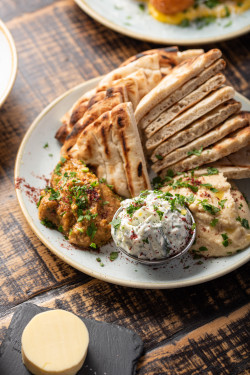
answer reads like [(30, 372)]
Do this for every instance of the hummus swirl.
[(221, 214)]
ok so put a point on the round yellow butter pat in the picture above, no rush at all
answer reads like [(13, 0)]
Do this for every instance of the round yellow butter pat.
[(55, 342)]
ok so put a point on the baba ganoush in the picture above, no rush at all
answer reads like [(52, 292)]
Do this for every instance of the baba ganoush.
[(220, 211), (78, 204), (154, 225)]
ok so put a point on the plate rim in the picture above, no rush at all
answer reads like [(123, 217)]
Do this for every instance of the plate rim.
[(13, 75), (137, 35), (67, 259)]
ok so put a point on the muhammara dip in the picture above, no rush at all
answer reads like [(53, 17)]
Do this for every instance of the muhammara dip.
[(221, 213), (78, 205)]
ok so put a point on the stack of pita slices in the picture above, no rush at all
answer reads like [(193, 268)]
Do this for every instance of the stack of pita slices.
[(169, 107)]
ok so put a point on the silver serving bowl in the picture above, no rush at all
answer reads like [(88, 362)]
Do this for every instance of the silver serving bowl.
[(155, 262)]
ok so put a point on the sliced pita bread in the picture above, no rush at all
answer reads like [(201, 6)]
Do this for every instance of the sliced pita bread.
[(240, 158), (194, 97), (229, 171), (150, 64), (198, 110), (126, 136), (230, 125), (196, 129), (113, 97), (184, 90), (178, 76), (232, 143)]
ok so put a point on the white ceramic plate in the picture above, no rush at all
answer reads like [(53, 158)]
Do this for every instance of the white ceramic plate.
[(8, 62), (34, 163), (126, 17)]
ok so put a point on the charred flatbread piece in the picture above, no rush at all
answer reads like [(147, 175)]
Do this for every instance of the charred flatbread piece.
[(179, 75), (230, 125), (188, 101), (111, 145), (186, 118), (150, 64), (126, 136), (113, 97), (184, 90), (232, 143), (196, 129)]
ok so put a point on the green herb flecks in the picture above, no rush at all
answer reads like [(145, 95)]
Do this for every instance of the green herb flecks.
[(213, 222), (225, 241), (116, 223), (222, 203), (213, 210), (46, 145), (244, 222), (113, 256), (47, 223), (91, 230), (195, 152)]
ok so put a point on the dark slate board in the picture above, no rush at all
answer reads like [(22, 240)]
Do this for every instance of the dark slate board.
[(113, 350)]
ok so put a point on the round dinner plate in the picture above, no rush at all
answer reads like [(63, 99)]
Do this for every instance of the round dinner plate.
[(36, 159), (128, 17), (8, 62)]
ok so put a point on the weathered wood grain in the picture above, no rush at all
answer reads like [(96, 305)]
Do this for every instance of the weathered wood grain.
[(187, 331)]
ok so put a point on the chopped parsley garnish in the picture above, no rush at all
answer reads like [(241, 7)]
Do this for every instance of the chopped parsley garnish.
[(113, 256), (211, 171), (244, 222), (213, 222), (63, 159), (102, 180), (93, 245), (185, 22), (200, 22), (136, 205), (54, 195), (60, 228), (116, 223), (195, 152), (47, 223), (203, 248), (210, 187), (98, 259), (91, 230), (105, 202), (145, 240), (193, 226), (94, 183), (159, 212), (141, 7), (209, 207), (227, 11), (211, 3), (159, 157), (179, 183), (88, 216), (225, 241), (38, 203), (46, 145), (222, 203), (80, 230), (51, 155)]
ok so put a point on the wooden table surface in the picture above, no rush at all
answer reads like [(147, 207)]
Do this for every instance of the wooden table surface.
[(202, 329)]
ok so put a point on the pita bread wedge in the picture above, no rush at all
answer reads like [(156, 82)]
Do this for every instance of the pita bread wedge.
[(230, 125), (186, 118), (179, 75), (150, 64), (235, 166), (196, 129), (114, 96), (95, 148), (194, 97), (184, 90), (232, 143), (126, 136)]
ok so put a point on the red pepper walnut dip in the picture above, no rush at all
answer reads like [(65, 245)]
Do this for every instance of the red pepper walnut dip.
[(78, 204)]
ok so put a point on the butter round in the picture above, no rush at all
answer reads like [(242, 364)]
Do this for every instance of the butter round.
[(55, 342)]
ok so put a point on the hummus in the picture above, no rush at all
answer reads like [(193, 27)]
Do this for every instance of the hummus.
[(220, 211), (78, 204)]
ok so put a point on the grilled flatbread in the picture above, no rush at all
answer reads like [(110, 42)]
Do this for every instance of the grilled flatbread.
[(233, 123), (111, 145), (196, 129), (194, 97), (198, 110), (232, 143), (125, 136), (184, 90), (113, 97), (150, 64), (179, 75)]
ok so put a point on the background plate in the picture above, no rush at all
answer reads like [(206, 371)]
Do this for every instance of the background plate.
[(125, 17), (34, 163), (8, 62)]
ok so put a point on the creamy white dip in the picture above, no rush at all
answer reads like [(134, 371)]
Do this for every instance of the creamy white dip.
[(150, 227)]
